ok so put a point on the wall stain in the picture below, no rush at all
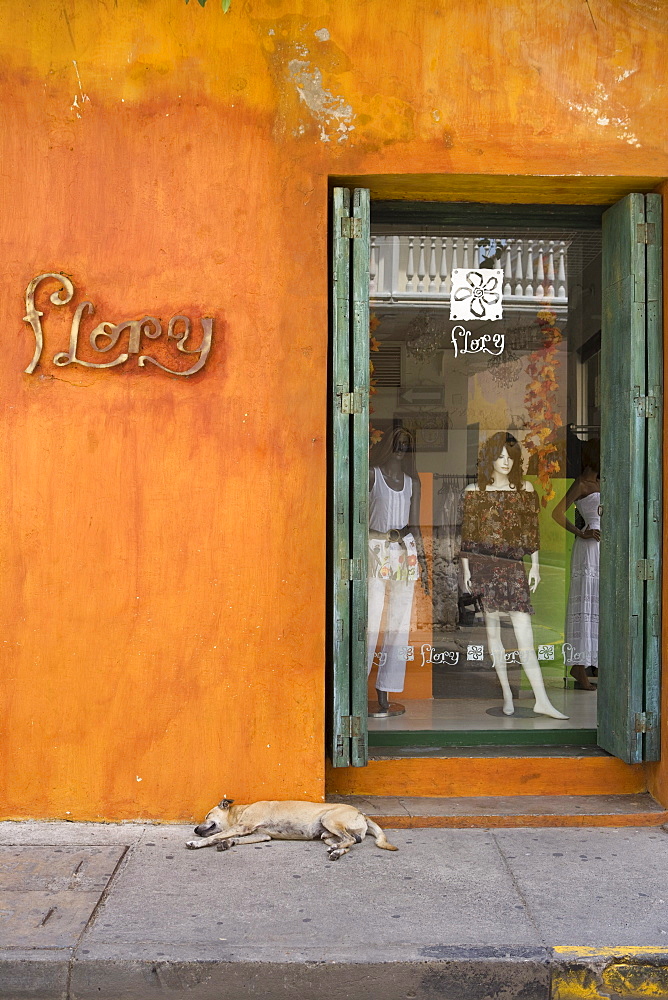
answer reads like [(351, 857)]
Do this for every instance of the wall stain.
[(334, 116)]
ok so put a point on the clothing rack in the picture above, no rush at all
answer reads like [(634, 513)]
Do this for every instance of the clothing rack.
[(450, 479), (584, 431)]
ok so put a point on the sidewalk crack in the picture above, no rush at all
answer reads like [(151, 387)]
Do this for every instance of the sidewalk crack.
[(127, 850), (519, 892)]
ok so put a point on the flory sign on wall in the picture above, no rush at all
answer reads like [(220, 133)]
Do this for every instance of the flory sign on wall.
[(106, 335)]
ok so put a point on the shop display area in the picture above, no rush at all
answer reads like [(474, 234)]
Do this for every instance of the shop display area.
[(457, 714), (484, 479)]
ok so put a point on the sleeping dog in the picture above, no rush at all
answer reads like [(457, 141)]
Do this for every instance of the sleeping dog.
[(339, 825)]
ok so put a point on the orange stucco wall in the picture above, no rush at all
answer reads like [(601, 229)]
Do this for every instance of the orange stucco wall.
[(163, 539)]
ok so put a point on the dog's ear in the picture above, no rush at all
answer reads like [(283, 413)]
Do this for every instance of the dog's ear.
[(225, 803)]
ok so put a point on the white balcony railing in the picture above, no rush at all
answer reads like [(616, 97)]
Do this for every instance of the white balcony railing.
[(416, 269)]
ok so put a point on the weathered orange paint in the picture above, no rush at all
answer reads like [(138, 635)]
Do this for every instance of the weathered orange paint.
[(163, 540), (431, 777)]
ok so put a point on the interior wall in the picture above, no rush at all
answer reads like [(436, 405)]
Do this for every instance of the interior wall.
[(163, 539)]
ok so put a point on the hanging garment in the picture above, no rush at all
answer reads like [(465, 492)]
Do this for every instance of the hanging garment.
[(581, 644), (500, 527), (446, 542)]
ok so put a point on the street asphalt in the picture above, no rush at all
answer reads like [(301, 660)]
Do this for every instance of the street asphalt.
[(125, 912)]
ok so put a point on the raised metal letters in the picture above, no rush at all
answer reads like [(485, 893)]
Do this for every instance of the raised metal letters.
[(106, 335), (33, 315)]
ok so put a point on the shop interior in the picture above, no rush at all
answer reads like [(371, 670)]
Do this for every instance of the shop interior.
[(479, 336)]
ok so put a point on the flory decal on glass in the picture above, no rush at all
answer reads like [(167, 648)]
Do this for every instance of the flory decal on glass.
[(432, 655), (464, 342), (476, 294), (106, 335)]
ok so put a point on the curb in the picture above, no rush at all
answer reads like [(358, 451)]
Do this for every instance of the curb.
[(451, 973)]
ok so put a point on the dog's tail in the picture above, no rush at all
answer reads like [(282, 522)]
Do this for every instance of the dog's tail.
[(381, 839)]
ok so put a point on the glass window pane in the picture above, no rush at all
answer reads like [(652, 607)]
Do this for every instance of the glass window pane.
[(484, 503)]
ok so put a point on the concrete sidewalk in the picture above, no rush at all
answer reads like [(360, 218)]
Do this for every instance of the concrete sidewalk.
[(125, 912)]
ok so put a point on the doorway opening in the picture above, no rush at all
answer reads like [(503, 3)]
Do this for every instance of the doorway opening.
[(496, 398), (484, 334)]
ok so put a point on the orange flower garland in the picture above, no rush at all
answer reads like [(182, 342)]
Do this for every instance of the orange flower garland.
[(541, 403), (374, 345)]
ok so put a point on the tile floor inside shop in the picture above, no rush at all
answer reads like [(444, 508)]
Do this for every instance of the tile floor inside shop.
[(459, 714)]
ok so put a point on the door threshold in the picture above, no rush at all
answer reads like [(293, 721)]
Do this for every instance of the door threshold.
[(395, 752), (482, 738), (401, 812)]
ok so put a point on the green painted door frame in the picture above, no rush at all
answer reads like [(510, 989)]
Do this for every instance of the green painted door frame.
[(631, 487)]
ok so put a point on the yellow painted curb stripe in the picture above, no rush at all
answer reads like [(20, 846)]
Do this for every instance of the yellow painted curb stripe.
[(621, 978), (637, 981), (616, 951), (576, 984)]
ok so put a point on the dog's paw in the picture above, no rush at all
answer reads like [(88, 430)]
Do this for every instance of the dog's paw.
[(224, 845), (193, 845), (335, 854)]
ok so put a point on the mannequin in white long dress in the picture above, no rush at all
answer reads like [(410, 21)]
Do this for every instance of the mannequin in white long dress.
[(396, 561), (581, 632)]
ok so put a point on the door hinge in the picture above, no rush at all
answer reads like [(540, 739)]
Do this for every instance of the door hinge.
[(644, 722), (351, 229), (350, 402), (645, 405), (645, 569), (351, 725), (351, 569), (646, 232)]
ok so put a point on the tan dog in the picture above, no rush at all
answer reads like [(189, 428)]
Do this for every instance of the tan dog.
[(339, 825)]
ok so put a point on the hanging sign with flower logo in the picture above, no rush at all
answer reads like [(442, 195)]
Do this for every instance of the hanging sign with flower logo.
[(476, 294)]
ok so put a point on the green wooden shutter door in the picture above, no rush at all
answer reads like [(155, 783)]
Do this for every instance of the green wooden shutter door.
[(361, 247), (340, 486), (653, 527), (627, 360), (350, 474)]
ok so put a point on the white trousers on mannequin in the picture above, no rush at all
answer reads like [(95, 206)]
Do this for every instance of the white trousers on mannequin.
[(399, 596)]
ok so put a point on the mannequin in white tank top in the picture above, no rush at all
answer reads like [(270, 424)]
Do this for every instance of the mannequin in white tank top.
[(396, 560)]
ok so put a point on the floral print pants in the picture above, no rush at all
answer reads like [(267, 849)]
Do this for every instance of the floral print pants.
[(392, 576)]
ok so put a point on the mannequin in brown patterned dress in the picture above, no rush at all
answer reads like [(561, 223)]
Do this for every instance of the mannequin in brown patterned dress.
[(500, 527)]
